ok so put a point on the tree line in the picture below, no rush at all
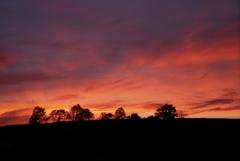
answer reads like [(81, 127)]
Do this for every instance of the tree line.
[(77, 113)]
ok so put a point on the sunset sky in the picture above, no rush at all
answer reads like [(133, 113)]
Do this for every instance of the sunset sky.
[(106, 54)]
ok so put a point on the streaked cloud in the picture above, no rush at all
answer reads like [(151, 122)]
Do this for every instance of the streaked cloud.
[(212, 102), (225, 109), (19, 116), (7, 57), (67, 97)]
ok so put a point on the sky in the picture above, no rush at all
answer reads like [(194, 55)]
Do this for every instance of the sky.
[(135, 54)]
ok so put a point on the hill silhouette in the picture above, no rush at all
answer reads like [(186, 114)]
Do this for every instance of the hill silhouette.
[(142, 139)]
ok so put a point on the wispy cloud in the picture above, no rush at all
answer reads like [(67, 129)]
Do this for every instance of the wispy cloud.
[(17, 112), (151, 105), (212, 102), (230, 93), (231, 108), (217, 109), (6, 57), (24, 77), (13, 117), (182, 113), (20, 101), (67, 97)]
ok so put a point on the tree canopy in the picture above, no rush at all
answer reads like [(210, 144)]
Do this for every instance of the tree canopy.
[(87, 114), (134, 116), (120, 113), (38, 116), (106, 116), (167, 111), (77, 113), (58, 115)]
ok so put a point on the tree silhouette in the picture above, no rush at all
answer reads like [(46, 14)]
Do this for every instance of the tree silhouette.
[(62, 114), (76, 112), (167, 111), (128, 117), (87, 114), (106, 116), (120, 113), (134, 116), (103, 115), (150, 117), (38, 116), (53, 115), (58, 115)]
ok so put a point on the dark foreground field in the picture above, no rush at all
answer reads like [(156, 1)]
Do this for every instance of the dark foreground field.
[(179, 139)]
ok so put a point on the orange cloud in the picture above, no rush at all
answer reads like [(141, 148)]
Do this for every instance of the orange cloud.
[(14, 117), (67, 97)]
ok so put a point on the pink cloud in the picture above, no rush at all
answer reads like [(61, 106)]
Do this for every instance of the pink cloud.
[(89, 89), (25, 77), (212, 102), (6, 57)]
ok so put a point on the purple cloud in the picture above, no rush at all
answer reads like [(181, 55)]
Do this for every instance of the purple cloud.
[(212, 102)]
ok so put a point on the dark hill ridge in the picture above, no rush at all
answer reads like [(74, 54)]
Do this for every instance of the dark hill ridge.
[(143, 138)]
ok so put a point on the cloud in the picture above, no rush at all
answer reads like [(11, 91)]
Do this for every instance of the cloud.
[(217, 109), (18, 116), (67, 97), (117, 101), (225, 109), (25, 77), (230, 93), (151, 105), (182, 113), (6, 57), (16, 112), (14, 120), (212, 102), (89, 89), (20, 101), (113, 105), (11, 101)]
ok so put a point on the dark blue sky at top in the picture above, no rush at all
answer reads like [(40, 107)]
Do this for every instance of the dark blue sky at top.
[(44, 34), (29, 26)]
